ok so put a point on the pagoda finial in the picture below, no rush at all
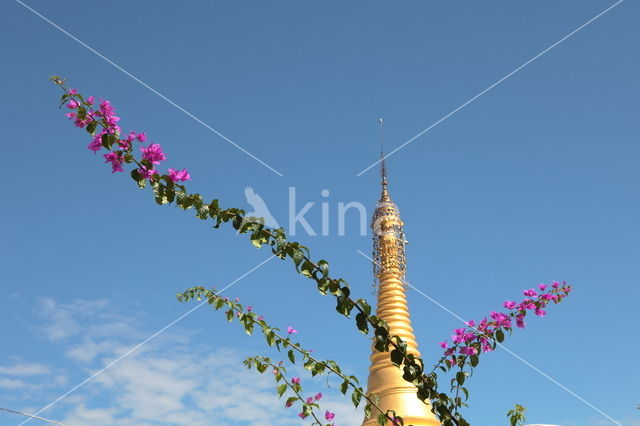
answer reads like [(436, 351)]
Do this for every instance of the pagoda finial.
[(383, 166)]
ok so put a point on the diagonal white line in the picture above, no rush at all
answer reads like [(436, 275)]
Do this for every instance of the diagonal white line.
[(512, 353), (32, 416), (493, 85), (149, 87), (136, 347)]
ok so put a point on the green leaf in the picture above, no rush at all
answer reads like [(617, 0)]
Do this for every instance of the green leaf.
[(396, 357), (307, 269), (356, 396), (361, 321), (500, 335), (465, 391), (460, 376), (270, 336), (323, 266), (291, 356), (203, 212), (135, 175), (291, 400), (237, 222), (367, 411), (474, 360), (410, 373), (91, 127), (108, 139), (219, 303), (298, 257), (82, 113), (281, 389)]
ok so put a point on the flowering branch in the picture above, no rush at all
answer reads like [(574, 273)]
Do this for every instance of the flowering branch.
[(167, 189), (248, 319), (469, 342), (279, 372)]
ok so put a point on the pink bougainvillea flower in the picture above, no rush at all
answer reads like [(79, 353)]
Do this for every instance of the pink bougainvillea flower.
[(555, 284), (542, 287), (288, 404), (106, 108), (309, 400), (153, 153), (124, 144), (261, 317), (72, 91), (541, 312), (73, 104), (96, 143), (91, 99), (115, 160), (509, 304), (146, 173), (295, 380), (302, 415), (444, 345), (526, 304), (328, 415), (468, 350), (179, 175), (530, 293), (318, 396), (291, 330), (249, 308), (142, 137)]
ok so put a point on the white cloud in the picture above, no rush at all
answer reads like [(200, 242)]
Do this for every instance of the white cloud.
[(169, 381), (25, 369), (12, 383), (61, 319)]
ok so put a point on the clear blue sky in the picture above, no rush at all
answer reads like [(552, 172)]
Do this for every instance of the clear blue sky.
[(535, 180)]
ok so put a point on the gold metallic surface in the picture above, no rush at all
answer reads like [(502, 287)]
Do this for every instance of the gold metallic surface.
[(385, 379)]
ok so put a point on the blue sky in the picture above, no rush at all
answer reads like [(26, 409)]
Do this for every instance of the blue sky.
[(535, 180)]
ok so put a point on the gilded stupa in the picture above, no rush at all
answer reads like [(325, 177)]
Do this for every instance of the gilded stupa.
[(385, 379)]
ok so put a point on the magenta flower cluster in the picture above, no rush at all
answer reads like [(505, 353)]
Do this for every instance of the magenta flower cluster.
[(328, 415), (84, 115), (480, 337)]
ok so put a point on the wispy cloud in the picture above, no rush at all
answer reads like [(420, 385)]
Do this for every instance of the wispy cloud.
[(25, 369), (171, 381), (25, 378), (63, 320), (12, 383)]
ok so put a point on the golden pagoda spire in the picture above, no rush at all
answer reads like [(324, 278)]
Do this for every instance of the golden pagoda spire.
[(385, 379)]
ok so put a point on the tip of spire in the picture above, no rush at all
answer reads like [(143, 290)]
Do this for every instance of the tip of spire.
[(383, 167)]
